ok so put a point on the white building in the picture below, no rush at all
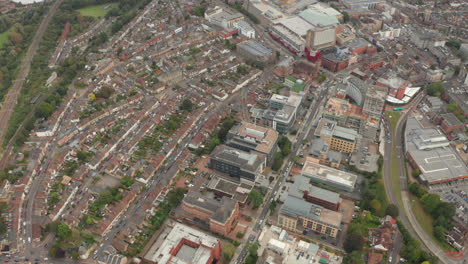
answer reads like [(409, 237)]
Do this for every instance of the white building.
[(245, 29)]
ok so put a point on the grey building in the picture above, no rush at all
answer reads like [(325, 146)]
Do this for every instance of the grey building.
[(254, 51), (237, 163), (250, 137)]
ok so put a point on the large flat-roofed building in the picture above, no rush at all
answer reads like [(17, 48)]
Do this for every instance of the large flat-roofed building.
[(361, 4), (313, 194), (250, 137), (281, 113), (429, 151), (329, 176), (237, 163), (291, 32), (184, 245), (339, 138), (297, 214), (426, 39), (219, 214), (223, 17), (254, 51), (323, 33)]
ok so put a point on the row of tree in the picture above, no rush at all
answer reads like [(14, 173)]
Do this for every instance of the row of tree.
[(285, 146), (442, 212)]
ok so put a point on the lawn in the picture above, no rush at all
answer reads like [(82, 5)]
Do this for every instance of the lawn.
[(393, 118), (96, 10), (4, 37), (424, 219)]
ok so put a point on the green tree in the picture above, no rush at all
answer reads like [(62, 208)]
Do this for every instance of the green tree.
[(186, 105), (44, 110), (439, 233), (435, 89), (322, 78), (415, 173), (63, 231), (353, 242), (285, 146), (199, 11), (376, 206), (430, 202), (354, 257), (127, 181), (277, 162), (83, 156), (392, 210), (256, 198), (452, 108), (345, 17), (228, 251)]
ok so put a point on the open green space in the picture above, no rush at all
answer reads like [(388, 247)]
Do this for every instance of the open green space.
[(424, 219), (393, 118), (4, 37), (96, 10), (395, 174)]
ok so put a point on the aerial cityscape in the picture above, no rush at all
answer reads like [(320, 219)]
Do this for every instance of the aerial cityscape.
[(234, 131)]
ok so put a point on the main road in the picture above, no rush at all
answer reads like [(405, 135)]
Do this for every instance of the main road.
[(406, 214), (304, 132)]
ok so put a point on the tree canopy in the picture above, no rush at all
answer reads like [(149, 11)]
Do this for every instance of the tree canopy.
[(256, 198)]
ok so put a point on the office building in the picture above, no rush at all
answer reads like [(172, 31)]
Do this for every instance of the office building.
[(313, 194), (220, 215), (281, 113), (250, 137), (224, 18), (298, 215), (237, 163), (321, 174), (338, 138)]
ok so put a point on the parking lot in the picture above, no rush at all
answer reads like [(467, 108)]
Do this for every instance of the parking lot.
[(365, 157), (457, 193)]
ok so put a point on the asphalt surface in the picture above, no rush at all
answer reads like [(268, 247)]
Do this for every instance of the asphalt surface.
[(406, 214)]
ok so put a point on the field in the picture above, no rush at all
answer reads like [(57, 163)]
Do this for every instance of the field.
[(95, 10)]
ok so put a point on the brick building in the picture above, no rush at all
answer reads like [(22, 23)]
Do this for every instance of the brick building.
[(220, 215)]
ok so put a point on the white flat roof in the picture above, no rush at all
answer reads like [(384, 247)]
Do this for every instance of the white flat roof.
[(297, 25)]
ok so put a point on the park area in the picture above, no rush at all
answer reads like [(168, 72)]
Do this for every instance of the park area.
[(96, 10)]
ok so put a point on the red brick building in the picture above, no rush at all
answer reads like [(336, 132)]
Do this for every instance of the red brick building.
[(334, 63), (219, 214), (183, 244), (450, 123)]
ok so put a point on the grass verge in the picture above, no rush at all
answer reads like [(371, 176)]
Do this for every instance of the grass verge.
[(96, 10)]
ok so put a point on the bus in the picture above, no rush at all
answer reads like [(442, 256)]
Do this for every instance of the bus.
[(397, 109)]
